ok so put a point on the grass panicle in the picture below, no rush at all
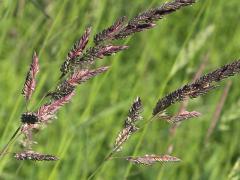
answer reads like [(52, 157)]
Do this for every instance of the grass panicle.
[(79, 67), (199, 87)]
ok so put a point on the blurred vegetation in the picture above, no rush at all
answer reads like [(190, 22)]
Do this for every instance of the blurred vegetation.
[(157, 62)]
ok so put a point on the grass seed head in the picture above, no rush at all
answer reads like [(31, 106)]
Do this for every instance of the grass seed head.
[(34, 156), (151, 159)]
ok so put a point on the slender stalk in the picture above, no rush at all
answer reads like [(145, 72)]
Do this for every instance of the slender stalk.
[(184, 104), (11, 140), (218, 110), (109, 155)]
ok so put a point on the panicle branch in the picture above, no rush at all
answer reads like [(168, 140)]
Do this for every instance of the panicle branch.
[(67, 86), (99, 52), (129, 124), (134, 113), (30, 82), (151, 159), (119, 30), (145, 20), (80, 45), (159, 12), (184, 115), (76, 51), (199, 87), (34, 156), (111, 32), (123, 136), (47, 111), (83, 75), (89, 57)]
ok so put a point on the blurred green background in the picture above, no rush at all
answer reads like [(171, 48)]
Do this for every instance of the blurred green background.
[(157, 62)]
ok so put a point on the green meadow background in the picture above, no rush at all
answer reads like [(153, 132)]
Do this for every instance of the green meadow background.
[(158, 61)]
